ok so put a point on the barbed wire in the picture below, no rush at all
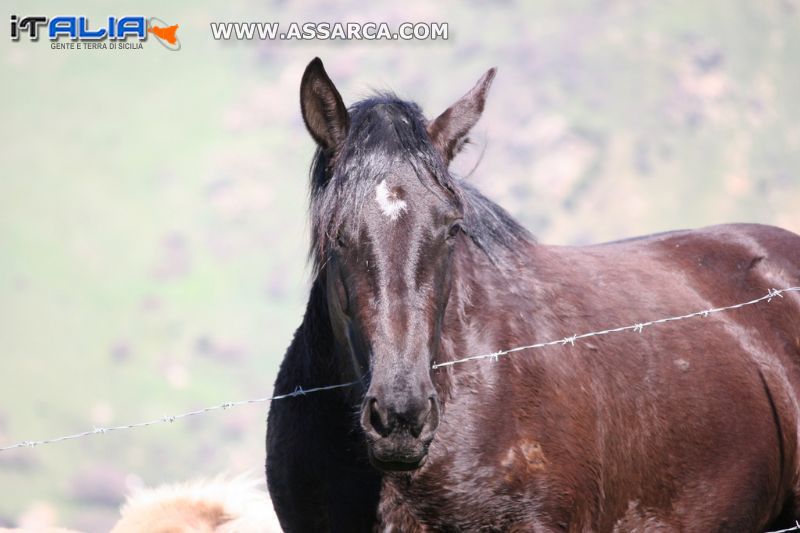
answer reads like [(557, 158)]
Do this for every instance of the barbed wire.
[(299, 391), (637, 328)]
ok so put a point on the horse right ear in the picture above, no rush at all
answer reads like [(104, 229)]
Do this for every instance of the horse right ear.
[(449, 130), (324, 112)]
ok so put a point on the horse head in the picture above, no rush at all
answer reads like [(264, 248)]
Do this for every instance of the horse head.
[(386, 219)]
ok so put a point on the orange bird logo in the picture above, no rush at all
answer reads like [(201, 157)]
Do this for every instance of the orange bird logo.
[(166, 33)]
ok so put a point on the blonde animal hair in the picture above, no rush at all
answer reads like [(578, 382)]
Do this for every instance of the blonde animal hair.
[(220, 505)]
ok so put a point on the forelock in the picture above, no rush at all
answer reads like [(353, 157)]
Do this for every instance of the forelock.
[(385, 132)]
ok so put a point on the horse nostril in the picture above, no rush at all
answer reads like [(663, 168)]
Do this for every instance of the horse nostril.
[(374, 419), (431, 421)]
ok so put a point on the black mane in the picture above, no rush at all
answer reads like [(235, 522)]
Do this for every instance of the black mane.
[(383, 130)]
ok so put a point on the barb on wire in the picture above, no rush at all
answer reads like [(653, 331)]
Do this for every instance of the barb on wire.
[(795, 527), (494, 356)]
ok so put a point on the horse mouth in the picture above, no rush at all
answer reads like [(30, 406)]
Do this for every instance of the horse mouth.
[(397, 463)]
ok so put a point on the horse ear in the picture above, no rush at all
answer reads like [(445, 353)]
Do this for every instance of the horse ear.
[(324, 112), (448, 131)]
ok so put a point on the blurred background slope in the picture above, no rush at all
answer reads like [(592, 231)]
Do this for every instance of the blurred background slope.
[(152, 204)]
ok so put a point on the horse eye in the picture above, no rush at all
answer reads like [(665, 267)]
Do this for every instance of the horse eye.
[(340, 242), (453, 231), (341, 292)]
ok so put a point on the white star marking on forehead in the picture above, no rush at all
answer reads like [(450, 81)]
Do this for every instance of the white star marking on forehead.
[(388, 201)]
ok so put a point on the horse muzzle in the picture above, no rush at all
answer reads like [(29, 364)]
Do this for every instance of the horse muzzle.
[(398, 434)]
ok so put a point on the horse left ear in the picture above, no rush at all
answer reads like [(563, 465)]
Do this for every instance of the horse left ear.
[(323, 110), (449, 130)]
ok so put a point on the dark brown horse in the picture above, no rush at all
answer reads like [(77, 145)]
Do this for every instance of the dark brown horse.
[(687, 426)]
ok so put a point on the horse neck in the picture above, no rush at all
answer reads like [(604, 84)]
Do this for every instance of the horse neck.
[(486, 283), (484, 291)]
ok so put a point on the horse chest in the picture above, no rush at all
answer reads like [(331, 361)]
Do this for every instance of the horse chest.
[(454, 493)]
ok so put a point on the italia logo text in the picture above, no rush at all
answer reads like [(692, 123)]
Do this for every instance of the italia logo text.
[(120, 32)]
